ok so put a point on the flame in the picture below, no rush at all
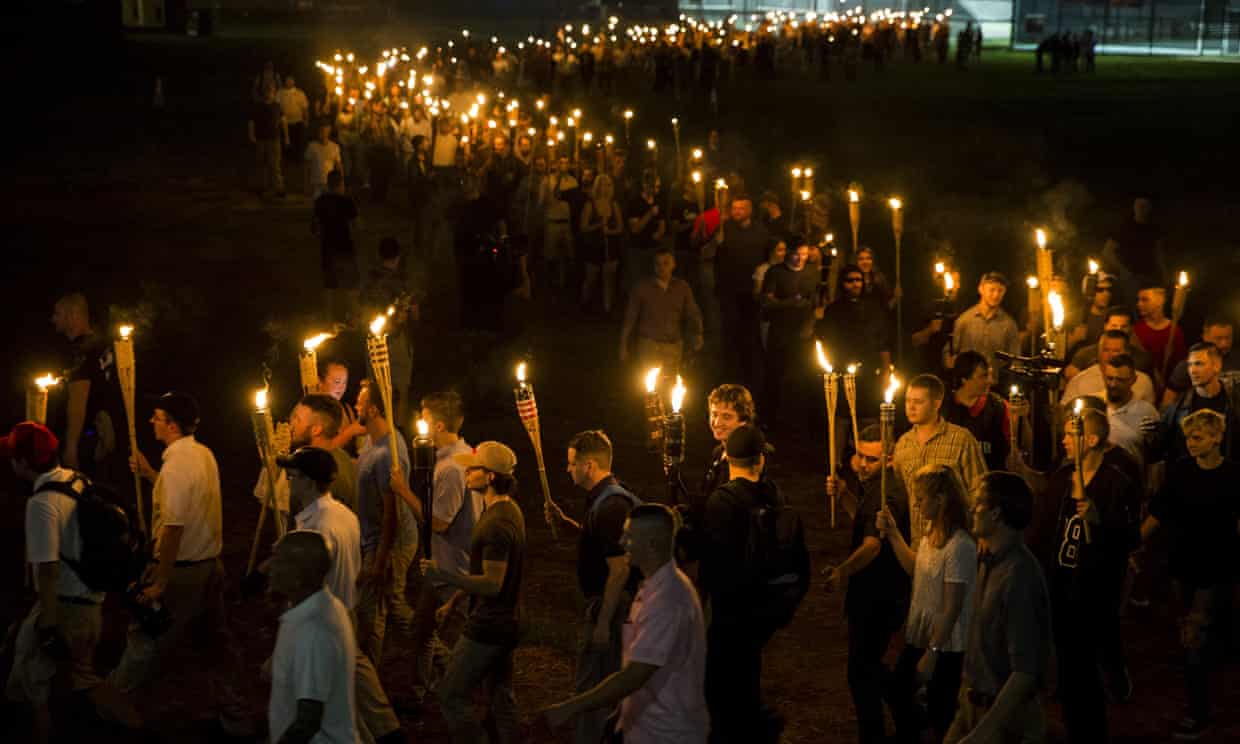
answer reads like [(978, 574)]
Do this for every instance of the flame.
[(423, 428), (588, 137), (521, 372), (46, 381), (720, 183), (1039, 235), (1057, 310), (939, 268), (313, 342), (260, 399), (796, 172), (894, 202), (1093, 266), (125, 331), (830, 238), (678, 395), (652, 379), (852, 368), (805, 196), (1078, 407), (893, 384), (809, 172), (822, 358), (697, 153), (675, 121), (650, 144), (853, 196), (1183, 281), (697, 176), (1014, 392), (376, 325), (628, 113), (1032, 282), (949, 283)]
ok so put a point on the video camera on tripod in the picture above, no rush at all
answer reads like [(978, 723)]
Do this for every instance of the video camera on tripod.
[(1042, 370)]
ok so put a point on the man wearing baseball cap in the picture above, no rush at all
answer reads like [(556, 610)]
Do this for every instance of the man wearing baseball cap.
[(483, 655), (186, 574), (61, 631)]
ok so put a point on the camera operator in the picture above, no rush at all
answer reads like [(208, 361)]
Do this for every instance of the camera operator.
[(1091, 382)]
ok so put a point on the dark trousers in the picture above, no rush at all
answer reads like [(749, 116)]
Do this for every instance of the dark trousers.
[(941, 693), (868, 637), (738, 322), (734, 680), (382, 164), (784, 372), (1079, 624), (1201, 636)]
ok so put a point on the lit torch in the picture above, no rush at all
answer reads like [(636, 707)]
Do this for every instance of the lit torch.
[(830, 389), (854, 217), (674, 441), (654, 412), (1034, 308), (850, 393), (264, 437), (122, 349), (308, 362), (887, 420), (1055, 335), (1178, 301), (423, 467), (527, 411), (1046, 272), (381, 367), (1077, 422), (36, 398)]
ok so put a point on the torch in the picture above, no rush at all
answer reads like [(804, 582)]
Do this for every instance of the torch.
[(308, 362), (887, 420), (381, 366), (1046, 272), (1078, 438), (628, 120), (721, 186), (122, 348), (1177, 311), (1091, 281), (850, 392), (831, 390), (264, 437), (897, 229), (854, 217), (796, 187), (1015, 398), (808, 183), (654, 412), (674, 442), (423, 467), (1055, 338), (699, 190), (833, 268), (676, 138), (36, 398), (1034, 300), (527, 411), (652, 147)]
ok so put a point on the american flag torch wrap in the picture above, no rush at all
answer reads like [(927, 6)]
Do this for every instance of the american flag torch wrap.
[(527, 411)]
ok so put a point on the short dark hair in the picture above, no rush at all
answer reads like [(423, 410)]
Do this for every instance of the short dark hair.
[(1011, 495), (376, 397), (994, 276), (930, 384), (446, 408), (1096, 423), (593, 444), (658, 515), (736, 397), (328, 409), (1114, 334), (871, 433), (1123, 360), (967, 363), (1214, 321), (389, 248), (665, 249), (1120, 311), (1205, 347)]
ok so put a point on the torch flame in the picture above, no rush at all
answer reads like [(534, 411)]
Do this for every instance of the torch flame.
[(376, 325), (1078, 407), (720, 183), (652, 379), (126, 330), (1032, 282), (1183, 281), (697, 153), (822, 358), (46, 381), (313, 342), (423, 428), (1093, 266), (853, 196), (796, 172), (949, 283), (260, 399), (1040, 236), (893, 384), (1015, 391), (697, 176), (678, 394), (939, 268), (1057, 310), (628, 113), (894, 202), (521, 372), (650, 144)]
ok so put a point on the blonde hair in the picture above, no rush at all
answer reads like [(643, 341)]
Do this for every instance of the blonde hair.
[(946, 484), (599, 180), (1212, 421)]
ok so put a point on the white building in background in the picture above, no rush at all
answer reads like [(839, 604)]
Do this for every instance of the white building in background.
[(995, 16)]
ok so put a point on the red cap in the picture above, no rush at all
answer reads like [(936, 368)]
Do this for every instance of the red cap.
[(32, 442)]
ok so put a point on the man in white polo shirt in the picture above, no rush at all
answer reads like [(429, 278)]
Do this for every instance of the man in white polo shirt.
[(186, 575), (312, 668), (60, 633), (661, 685), (311, 473)]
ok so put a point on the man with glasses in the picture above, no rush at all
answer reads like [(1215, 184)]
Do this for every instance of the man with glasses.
[(1117, 319), (1090, 381)]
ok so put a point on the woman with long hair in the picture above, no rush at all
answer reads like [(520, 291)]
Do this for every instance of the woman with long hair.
[(602, 230), (944, 570), (876, 282)]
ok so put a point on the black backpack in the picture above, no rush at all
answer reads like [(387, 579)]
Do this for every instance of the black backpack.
[(112, 556), (776, 556)]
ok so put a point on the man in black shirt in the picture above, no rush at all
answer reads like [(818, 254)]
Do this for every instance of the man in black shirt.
[(1210, 390), (334, 213), (974, 407), (877, 598), (856, 323), (501, 175), (744, 245), (483, 655), (737, 633), (647, 226), (1198, 501), (1087, 564), (607, 581), (789, 292), (269, 133)]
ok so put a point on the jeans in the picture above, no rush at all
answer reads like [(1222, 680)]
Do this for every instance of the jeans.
[(941, 693), (379, 606), (474, 664)]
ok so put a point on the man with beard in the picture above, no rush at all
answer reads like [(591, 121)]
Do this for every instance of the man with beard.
[(857, 323), (1133, 422)]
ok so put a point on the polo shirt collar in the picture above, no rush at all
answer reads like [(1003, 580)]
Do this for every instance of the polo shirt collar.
[(183, 443), (307, 608)]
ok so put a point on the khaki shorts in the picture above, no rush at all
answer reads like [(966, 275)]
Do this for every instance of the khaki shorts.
[(31, 678)]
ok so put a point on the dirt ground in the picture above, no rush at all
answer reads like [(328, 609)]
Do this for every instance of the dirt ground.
[(154, 210)]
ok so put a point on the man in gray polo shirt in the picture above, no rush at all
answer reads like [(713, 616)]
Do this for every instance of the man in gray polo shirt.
[(1010, 636)]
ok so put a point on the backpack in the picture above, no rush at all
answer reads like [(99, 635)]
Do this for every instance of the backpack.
[(112, 556), (776, 556)]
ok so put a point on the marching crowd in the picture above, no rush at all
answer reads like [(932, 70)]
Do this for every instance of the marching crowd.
[(987, 553)]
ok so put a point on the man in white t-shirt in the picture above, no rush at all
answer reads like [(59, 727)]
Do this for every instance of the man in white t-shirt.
[(61, 631), (186, 575), (312, 697), (322, 157), (311, 472), (1090, 381), (661, 686), (296, 108)]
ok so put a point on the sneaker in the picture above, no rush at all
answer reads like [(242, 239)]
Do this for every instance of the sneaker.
[(1190, 729)]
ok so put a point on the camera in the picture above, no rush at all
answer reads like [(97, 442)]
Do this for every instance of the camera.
[(1042, 370), (155, 619)]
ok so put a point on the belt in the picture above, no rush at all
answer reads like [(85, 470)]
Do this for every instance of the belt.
[(77, 600), (187, 564), (979, 699)]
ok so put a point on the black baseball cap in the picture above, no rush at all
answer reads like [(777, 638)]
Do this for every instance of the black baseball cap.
[(181, 407), (745, 443), (315, 463)]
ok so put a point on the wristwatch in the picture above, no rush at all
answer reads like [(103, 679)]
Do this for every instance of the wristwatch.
[(935, 649)]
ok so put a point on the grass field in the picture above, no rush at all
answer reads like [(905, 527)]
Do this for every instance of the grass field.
[(136, 207)]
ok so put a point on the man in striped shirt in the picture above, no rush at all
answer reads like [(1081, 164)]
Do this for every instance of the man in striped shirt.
[(933, 441)]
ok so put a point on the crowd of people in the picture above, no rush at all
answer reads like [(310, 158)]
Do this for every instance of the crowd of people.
[(986, 550)]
